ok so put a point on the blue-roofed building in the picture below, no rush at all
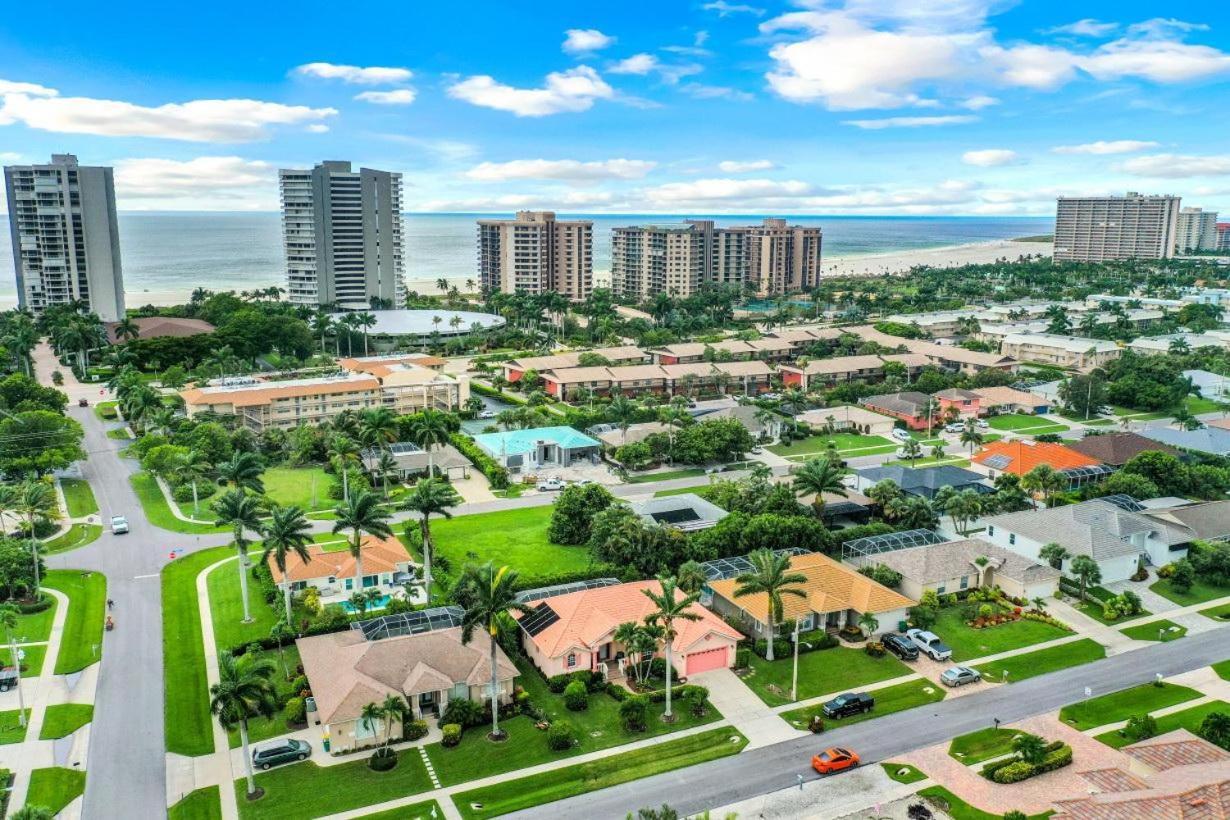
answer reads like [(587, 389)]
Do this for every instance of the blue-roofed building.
[(533, 449), (1205, 440), (922, 481)]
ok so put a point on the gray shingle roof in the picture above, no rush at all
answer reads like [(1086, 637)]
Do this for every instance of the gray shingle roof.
[(1210, 520), (1204, 440), (931, 478), (1095, 528), (942, 562)]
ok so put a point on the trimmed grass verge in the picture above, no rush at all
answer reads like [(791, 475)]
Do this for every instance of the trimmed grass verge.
[(1116, 706), (1020, 667), (1162, 630), (647, 478), (1198, 594), (981, 745), (78, 535), (81, 644), (816, 445), (202, 804), (1217, 613), (62, 719), (79, 497), (903, 772), (159, 512), (11, 730), (415, 811), (32, 661), (968, 643), (1189, 719), (888, 700), (559, 784), (304, 790), (827, 670), (1222, 669), (55, 787), (945, 800)]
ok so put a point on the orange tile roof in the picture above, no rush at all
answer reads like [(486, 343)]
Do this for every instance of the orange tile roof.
[(380, 555), (266, 392), (830, 587), (587, 618), (1025, 454)]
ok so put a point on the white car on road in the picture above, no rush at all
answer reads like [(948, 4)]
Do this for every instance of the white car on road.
[(119, 524), (900, 435)]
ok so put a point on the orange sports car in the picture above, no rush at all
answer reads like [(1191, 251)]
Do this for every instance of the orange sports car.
[(834, 760)]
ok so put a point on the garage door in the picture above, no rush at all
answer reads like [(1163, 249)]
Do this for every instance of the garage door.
[(704, 661)]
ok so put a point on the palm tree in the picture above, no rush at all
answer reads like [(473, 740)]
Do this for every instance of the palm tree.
[(36, 500), (385, 468), (963, 507), (819, 475), (393, 709), (1054, 554), (366, 321), (370, 715), (868, 623), (490, 598), (912, 450), (672, 604), (9, 500), (344, 453), (126, 328), (1029, 748), (770, 575), (1086, 571), (191, 467), (378, 427), (242, 512), (360, 514), (430, 496), (243, 472), (622, 410), (322, 324), (429, 429), (691, 577), (287, 531), (9, 619), (970, 434), (1046, 480), (244, 690)]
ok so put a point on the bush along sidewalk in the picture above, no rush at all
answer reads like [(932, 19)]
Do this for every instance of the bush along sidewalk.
[(1033, 757)]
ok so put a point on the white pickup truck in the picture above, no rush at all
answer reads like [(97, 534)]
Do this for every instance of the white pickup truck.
[(930, 643)]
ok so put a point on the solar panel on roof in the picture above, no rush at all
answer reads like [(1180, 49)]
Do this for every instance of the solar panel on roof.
[(541, 617), (998, 462), (410, 623), (675, 516)]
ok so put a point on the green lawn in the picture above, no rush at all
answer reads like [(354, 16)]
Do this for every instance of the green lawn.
[(186, 710), (105, 410), (514, 537), (303, 790), (1116, 706), (1094, 608), (1152, 631), (78, 535), (202, 804), (226, 607), (1196, 405), (308, 487), (888, 700), (11, 730), (37, 625), (62, 719), (815, 445), (559, 784), (677, 491), (119, 433), (83, 626), (981, 745), (820, 672), (903, 772), (415, 811), (1198, 594), (958, 809), (646, 478), (264, 728), (1094, 422), (159, 513), (55, 787), (952, 461), (1042, 661), (1217, 613), (968, 643), (1189, 719), (32, 660), (79, 497), (1222, 669), (1022, 423), (1140, 415)]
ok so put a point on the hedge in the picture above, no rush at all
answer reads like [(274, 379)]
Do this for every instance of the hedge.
[(492, 393), (485, 464), (1013, 770)]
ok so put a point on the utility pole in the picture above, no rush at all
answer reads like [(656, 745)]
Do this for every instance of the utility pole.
[(794, 678)]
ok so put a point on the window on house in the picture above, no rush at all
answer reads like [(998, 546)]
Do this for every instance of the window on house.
[(349, 583), (964, 582), (572, 660), (939, 590)]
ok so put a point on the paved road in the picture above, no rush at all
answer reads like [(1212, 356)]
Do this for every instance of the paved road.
[(777, 767)]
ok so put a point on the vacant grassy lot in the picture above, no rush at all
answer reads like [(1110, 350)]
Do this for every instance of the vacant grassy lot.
[(888, 700), (820, 673), (645, 478), (83, 625), (1116, 706), (202, 804), (159, 513), (1189, 719), (1022, 423), (307, 487), (62, 719), (79, 497), (1200, 592), (305, 790), (816, 445), (77, 535), (517, 538), (981, 745), (1042, 661), (968, 643), (226, 606), (1162, 630), (55, 787)]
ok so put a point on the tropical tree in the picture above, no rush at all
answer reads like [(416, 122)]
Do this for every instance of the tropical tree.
[(126, 328), (1045, 480), (243, 472), (819, 475), (1054, 554), (191, 467), (241, 512), (1029, 748), (244, 691), (344, 454), (386, 467), (36, 499), (912, 450), (671, 605), (1086, 571), (286, 532), (430, 496), (1215, 728), (963, 507), (771, 576), (429, 429), (970, 434), (362, 513), (490, 598), (10, 619), (691, 577), (378, 427), (869, 623), (622, 411), (392, 710)]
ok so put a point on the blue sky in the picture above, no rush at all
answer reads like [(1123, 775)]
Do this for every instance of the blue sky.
[(713, 106)]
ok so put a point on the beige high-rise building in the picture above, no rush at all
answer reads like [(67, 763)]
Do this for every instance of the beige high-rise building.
[(536, 253), (783, 258), (650, 259), (1105, 228), (1196, 230)]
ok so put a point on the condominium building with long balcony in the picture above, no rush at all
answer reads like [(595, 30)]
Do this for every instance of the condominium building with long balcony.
[(536, 253), (1108, 228), (1196, 230), (783, 258), (677, 259)]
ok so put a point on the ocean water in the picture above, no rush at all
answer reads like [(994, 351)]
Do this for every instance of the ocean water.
[(166, 255)]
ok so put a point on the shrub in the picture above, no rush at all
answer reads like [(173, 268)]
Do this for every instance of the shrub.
[(781, 648), (875, 649), (619, 693), (1014, 772), (743, 658), (1015, 814), (462, 712), (296, 711), (300, 685), (561, 736), (697, 699), (1140, 727), (557, 683), (576, 697), (413, 729), (1165, 571), (486, 465), (633, 712), (816, 724), (452, 735)]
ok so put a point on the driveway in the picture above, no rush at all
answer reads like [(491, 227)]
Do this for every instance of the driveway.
[(746, 712)]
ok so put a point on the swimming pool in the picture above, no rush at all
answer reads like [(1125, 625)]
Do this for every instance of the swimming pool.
[(379, 603), (765, 305)]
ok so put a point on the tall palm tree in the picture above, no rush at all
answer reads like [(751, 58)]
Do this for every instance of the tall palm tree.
[(970, 434), (126, 328), (322, 323), (771, 576), (378, 427), (691, 576), (21, 338), (490, 598), (243, 472), (393, 709), (360, 514), (1029, 748), (241, 512), (344, 454), (366, 321), (9, 500), (9, 619), (370, 715), (429, 429), (430, 496), (385, 468), (36, 500), (672, 605), (622, 410), (191, 467), (286, 532), (244, 691), (819, 476), (1044, 479)]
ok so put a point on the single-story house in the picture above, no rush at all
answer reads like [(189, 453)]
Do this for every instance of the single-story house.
[(745, 414), (1213, 440), (967, 403), (1011, 400), (970, 563), (1206, 520), (576, 630), (1019, 456), (835, 595), (687, 512), (412, 460), (538, 447), (613, 437), (346, 672), (847, 418), (909, 406), (1113, 537), (1117, 449), (922, 481), (387, 566)]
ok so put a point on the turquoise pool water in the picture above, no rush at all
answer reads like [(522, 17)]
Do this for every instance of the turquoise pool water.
[(764, 305), (379, 603)]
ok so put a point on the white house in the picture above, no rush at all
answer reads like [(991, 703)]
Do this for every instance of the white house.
[(387, 567)]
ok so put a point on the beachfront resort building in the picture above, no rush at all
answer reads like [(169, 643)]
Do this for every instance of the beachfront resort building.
[(783, 258), (66, 241), (677, 259), (536, 253), (1106, 228), (1196, 230)]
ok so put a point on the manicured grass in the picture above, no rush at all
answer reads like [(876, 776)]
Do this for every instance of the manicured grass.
[(517, 538), (1217, 613), (37, 625), (105, 410), (159, 513), (304, 790), (202, 804), (1198, 594), (1042, 661), (951, 461), (1116, 706), (815, 445), (415, 811), (11, 730), (31, 662), (958, 809), (1093, 608), (1140, 415), (55, 787), (294, 485), (186, 709), (1196, 405), (81, 644), (261, 728), (888, 700), (981, 745), (226, 607), (77, 535), (119, 433), (968, 643), (78, 497), (1222, 669), (870, 451), (1022, 423), (1189, 719), (1152, 631), (62, 719), (677, 491), (646, 478), (820, 673), (903, 772), (559, 784), (1095, 422)]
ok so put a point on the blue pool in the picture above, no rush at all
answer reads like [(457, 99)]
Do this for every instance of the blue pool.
[(765, 305), (379, 603)]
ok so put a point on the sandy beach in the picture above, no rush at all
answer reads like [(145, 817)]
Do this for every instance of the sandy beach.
[(880, 264)]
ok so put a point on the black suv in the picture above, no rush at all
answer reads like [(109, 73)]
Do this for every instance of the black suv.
[(900, 646), (849, 704)]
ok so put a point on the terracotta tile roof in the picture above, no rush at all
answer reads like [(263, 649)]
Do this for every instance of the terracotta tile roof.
[(1023, 455), (587, 617), (1118, 449), (831, 587), (155, 327), (380, 555), (839, 364), (992, 396), (383, 365), (266, 392)]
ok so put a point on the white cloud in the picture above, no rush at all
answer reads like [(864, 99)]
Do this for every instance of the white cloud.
[(1164, 27), (724, 190), (742, 167), (1161, 61), (356, 75), (571, 90), (9, 156), (29, 89), (398, 96), (991, 157), (585, 40), (1088, 27), (715, 92), (317, 128), (205, 182), (910, 122), (1106, 147), (194, 121), (639, 64), (1177, 166), (1032, 66), (569, 170), (979, 102), (547, 200), (725, 9)]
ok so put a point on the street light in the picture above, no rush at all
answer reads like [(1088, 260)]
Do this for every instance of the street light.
[(794, 678)]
